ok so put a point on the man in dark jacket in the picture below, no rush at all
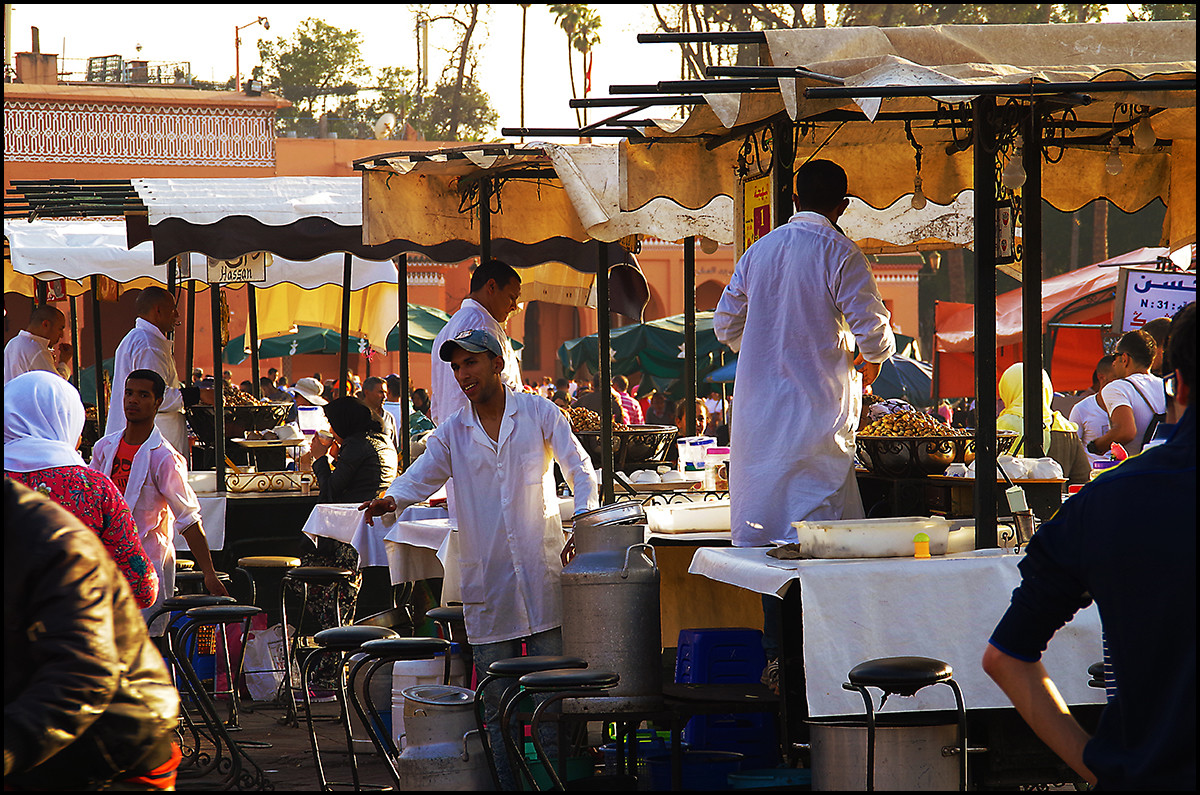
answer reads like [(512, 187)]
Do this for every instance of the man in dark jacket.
[(87, 698)]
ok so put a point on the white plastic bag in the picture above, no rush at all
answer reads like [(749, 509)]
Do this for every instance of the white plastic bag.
[(264, 662)]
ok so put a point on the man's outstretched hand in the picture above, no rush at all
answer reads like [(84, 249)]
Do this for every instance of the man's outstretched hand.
[(378, 507)]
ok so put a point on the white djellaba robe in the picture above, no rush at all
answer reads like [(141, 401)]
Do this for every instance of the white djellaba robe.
[(145, 347), (510, 534), (447, 396), (27, 352), (161, 500), (797, 302)]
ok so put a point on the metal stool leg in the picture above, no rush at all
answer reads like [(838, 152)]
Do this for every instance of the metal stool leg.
[(508, 706), (866, 696), (534, 722), (383, 743), (483, 734)]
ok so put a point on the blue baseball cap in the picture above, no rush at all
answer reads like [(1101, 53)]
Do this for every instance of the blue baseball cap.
[(473, 341)]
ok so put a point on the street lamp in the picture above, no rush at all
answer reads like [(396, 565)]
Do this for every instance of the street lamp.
[(237, 49)]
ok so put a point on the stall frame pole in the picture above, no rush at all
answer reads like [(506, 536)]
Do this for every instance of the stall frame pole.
[(101, 403), (485, 220), (985, 322), (1031, 284), (218, 389), (252, 330), (75, 343), (190, 357), (689, 333), (604, 355), (402, 345), (344, 352)]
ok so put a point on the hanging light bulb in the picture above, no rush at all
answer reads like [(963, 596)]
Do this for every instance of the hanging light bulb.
[(918, 199), (1114, 165), (1144, 137), (1013, 176)]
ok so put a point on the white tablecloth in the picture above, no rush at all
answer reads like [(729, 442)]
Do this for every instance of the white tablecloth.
[(344, 522), (943, 607)]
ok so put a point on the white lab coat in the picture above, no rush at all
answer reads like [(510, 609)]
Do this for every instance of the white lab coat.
[(161, 500), (510, 537), (447, 397), (145, 347), (798, 300), (26, 352)]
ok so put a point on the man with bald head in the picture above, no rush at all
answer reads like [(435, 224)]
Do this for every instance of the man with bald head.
[(147, 347), (30, 349)]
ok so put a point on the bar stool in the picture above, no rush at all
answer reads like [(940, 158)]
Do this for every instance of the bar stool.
[(904, 676), (557, 685), (216, 729), (513, 668), (303, 577), (340, 641), (1096, 675), (374, 655), (272, 568), (454, 628), (184, 564), (191, 581)]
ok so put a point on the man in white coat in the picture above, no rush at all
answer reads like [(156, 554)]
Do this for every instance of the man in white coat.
[(31, 348), (152, 476), (146, 346), (500, 449), (798, 301)]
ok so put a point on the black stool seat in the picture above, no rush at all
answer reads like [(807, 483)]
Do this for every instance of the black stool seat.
[(405, 648), (195, 575), (569, 679), (902, 676), (519, 666), (319, 574), (350, 638), (445, 614), (219, 614), (190, 600), (1096, 670)]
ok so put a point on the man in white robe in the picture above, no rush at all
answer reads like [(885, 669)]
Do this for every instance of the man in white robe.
[(31, 348), (798, 301), (152, 475), (146, 346)]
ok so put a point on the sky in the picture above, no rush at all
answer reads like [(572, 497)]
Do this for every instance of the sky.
[(204, 35)]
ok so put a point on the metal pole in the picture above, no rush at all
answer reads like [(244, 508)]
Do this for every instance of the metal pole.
[(75, 343), (1031, 285), (101, 404), (689, 333), (190, 358), (485, 220), (985, 322), (605, 390), (784, 170), (252, 330), (172, 274), (345, 348), (214, 291), (402, 345)]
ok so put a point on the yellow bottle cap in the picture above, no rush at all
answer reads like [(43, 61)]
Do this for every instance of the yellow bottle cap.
[(921, 545)]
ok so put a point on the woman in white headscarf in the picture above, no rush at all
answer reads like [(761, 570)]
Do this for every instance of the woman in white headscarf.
[(43, 420), (1059, 439)]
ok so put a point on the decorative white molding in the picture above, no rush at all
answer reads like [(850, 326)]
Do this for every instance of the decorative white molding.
[(70, 132)]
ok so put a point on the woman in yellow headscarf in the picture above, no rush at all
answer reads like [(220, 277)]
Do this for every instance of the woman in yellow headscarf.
[(1060, 439)]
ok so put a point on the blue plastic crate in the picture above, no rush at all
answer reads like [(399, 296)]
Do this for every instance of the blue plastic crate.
[(719, 655)]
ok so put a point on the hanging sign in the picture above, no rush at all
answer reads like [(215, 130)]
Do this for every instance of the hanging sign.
[(1005, 234), (250, 267), (756, 210), (1145, 295)]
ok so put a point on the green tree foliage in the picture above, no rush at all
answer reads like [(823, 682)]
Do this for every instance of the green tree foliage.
[(430, 111), (582, 26), (897, 15), (319, 61), (1163, 11)]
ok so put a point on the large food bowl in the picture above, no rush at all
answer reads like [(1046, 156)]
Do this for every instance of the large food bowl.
[(919, 456), (640, 444), (238, 419)]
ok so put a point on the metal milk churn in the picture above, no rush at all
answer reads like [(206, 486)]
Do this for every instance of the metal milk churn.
[(442, 747), (611, 607)]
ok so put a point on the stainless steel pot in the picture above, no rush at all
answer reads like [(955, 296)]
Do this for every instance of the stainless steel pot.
[(611, 614), (625, 512), (442, 747), (907, 757)]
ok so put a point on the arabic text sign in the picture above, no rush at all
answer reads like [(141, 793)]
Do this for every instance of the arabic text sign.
[(250, 267), (1153, 294)]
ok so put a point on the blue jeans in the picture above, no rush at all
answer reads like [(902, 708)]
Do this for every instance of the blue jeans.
[(548, 642)]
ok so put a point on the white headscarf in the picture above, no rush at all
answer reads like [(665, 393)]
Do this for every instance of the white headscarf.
[(43, 418)]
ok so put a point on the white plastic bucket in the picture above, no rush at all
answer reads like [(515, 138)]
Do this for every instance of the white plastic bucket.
[(379, 696), (409, 673)]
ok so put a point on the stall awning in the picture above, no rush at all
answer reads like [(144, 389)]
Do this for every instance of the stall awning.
[(880, 158)]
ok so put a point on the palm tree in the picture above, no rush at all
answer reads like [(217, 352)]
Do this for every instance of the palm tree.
[(581, 25)]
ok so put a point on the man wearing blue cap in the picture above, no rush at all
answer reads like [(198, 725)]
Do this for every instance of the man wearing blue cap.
[(499, 449)]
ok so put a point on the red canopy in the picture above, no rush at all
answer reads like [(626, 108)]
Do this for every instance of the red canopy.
[(1082, 296)]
